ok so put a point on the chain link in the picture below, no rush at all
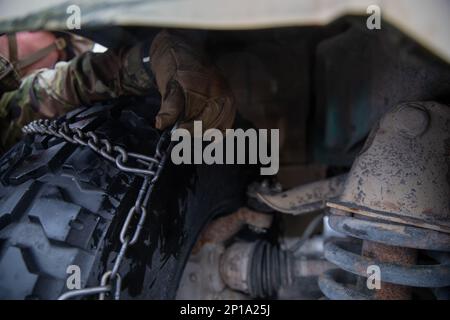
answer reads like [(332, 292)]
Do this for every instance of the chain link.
[(149, 167), (116, 154)]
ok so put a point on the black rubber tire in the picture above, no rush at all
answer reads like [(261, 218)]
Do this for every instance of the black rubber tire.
[(62, 204)]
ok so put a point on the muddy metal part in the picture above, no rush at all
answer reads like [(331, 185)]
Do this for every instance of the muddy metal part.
[(402, 173), (261, 269), (223, 228), (396, 200), (201, 278), (302, 199), (397, 270), (390, 254)]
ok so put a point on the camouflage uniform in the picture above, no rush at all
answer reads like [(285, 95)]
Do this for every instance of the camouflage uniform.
[(190, 86), (52, 92)]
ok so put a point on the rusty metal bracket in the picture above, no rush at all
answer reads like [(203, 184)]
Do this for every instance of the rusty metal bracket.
[(302, 199)]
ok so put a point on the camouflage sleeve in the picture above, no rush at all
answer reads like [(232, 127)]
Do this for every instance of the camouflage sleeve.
[(12, 116), (89, 78)]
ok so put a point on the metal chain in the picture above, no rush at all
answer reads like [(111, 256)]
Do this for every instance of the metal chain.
[(113, 153), (149, 167)]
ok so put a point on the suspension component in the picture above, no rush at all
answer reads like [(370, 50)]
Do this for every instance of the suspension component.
[(256, 268), (300, 200), (396, 200), (261, 269)]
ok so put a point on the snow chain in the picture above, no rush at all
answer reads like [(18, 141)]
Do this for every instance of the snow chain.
[(149, 167)]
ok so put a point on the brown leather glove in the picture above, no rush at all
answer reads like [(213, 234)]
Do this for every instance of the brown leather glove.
[(191, 87)]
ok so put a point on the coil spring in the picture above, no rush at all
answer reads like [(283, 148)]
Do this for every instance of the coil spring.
[(399, 246)]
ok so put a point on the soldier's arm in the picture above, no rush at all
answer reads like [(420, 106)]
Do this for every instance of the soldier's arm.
[(190, 86), (89, 78)]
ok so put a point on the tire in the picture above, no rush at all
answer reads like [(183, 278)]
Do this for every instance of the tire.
[(62, 204)]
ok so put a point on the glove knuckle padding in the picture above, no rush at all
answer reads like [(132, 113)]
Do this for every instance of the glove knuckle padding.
[(170, 107), (206, 94)]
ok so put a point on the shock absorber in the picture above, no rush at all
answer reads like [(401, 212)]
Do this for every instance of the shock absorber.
[(395, 209)]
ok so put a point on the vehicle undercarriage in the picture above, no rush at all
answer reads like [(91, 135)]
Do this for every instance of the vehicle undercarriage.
[(362, 189)]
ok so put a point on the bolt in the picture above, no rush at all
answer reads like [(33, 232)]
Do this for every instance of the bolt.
[(412, 120)]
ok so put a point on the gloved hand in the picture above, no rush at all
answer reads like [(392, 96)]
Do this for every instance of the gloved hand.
[(191, 87)]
